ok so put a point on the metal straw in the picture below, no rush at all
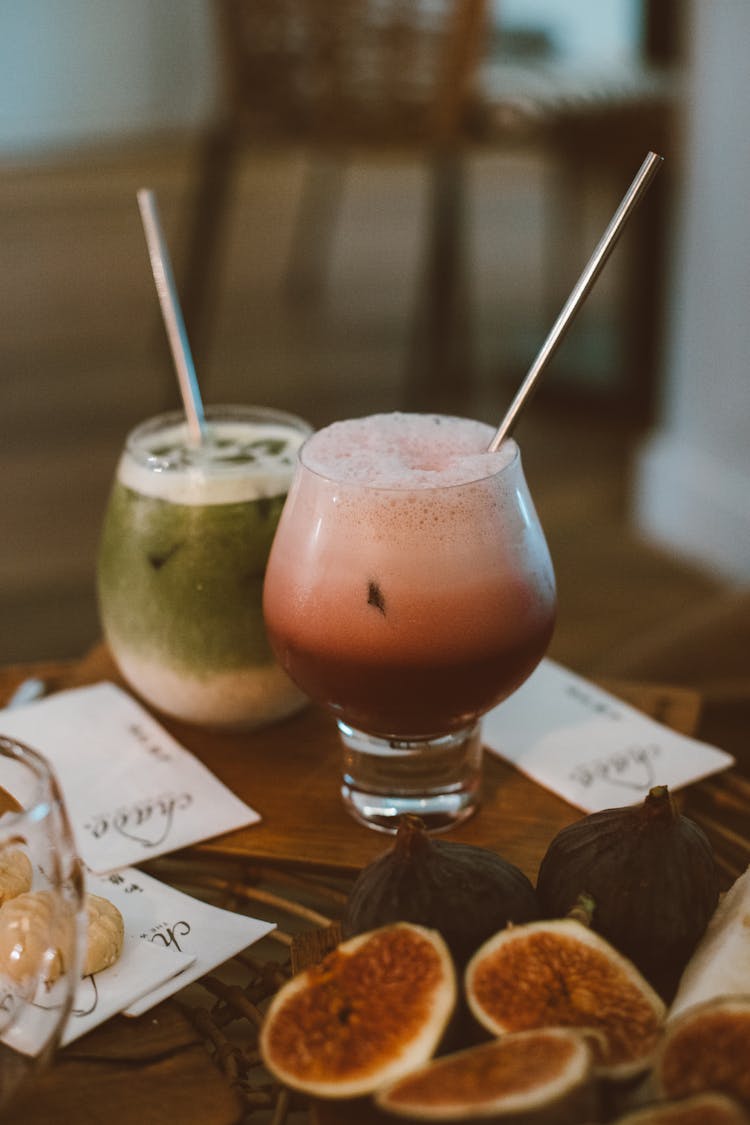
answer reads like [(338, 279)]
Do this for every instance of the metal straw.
[(596, 262), (172, 315)]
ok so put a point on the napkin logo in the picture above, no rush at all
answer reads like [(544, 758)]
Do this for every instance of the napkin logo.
[(149, 743), (147, 822), (119, 880), (86, 998), (169, 936), (632, 768), (86, 1006), (593, 701), (8, 1002)]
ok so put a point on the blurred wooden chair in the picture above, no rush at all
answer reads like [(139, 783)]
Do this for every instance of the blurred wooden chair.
[(595, 124), (596, 130), (339, 76)]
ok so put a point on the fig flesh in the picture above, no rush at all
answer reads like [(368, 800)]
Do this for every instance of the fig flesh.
[(562, 974), (707, 1047), (371, 1010), (518, 1076), (652, 874), (702, 1109), (465, 892)]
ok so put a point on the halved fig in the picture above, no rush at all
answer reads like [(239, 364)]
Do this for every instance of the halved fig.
[(562, 974), (702, 1109), (707, 1047), (520, 1075), (371, 1010)]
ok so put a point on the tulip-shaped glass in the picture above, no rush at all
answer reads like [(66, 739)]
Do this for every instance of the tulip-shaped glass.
[(409, 590)]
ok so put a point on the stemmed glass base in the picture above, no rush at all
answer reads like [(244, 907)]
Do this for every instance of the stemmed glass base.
[(436, 779)]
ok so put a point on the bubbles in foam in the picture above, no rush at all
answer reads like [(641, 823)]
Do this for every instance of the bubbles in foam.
[(406, 451)]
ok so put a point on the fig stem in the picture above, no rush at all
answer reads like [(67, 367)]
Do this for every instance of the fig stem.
[(659, 804), (411, 837), (583, 911)]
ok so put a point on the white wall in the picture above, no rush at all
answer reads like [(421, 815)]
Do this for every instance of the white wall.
[(77, 72), (596, 32), (693, 483)]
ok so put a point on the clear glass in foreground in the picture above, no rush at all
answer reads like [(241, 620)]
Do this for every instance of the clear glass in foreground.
[(181, 563), (42, 919), (409, 589)]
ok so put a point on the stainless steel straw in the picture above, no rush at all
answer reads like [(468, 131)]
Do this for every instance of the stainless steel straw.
[(172, 314), (596, 262)]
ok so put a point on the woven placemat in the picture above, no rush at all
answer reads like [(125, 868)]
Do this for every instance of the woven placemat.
[(227, 1007)]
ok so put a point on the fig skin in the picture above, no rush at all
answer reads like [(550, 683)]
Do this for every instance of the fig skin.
[(652, 874), (464, 892)]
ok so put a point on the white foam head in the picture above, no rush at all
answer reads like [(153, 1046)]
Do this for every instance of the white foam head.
[(400, 451), (239, 460)]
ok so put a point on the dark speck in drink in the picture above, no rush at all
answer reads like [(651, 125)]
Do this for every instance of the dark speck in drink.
[(158, 561), (375, 597)]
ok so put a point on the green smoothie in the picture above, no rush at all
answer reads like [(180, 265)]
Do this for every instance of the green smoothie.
[(182, 561)]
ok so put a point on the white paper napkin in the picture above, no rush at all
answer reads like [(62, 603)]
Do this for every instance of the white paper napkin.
[(98, 998), (171, 939), (131, 790), (175, 921), (593, 750), (141, 967)]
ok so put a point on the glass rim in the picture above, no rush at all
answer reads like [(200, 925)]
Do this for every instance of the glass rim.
[(512, 462), (214, 413)]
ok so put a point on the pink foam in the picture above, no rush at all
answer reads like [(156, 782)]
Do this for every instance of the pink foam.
[(406, 451)]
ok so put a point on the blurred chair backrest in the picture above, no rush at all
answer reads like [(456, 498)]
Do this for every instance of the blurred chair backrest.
[(346, 72)]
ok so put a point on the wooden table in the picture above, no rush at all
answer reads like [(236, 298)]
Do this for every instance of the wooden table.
[(155, 1069)]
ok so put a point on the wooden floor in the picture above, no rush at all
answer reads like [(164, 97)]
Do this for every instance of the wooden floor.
[(83, 359)]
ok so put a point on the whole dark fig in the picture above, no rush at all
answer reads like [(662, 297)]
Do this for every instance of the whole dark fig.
[(464, 892), (652, 874)]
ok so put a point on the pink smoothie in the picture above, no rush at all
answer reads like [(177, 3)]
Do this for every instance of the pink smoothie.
[(409, 587)]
